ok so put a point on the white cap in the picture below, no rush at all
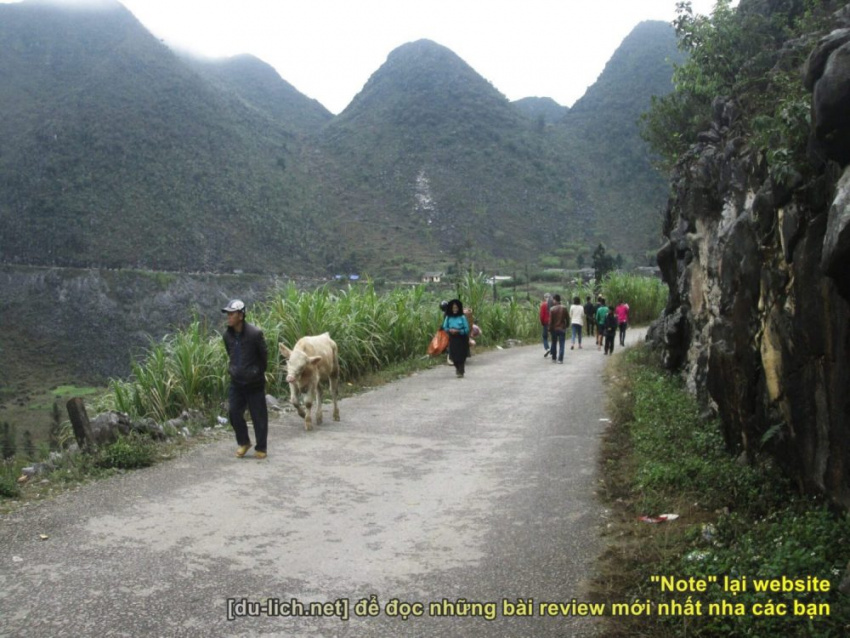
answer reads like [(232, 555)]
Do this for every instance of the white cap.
[(235, 305)]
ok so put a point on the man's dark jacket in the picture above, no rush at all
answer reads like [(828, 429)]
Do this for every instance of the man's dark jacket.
[(248, 356)]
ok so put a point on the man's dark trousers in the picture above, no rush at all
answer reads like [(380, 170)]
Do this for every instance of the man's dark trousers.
[(240, 397)]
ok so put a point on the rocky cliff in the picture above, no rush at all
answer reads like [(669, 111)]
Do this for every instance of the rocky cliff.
[(94, 321), (758, 318)]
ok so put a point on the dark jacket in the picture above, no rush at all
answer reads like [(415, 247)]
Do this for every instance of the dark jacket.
[(610, 323), (558, 316), (248, 356)]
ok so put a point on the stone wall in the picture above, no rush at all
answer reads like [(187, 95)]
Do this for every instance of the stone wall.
[(758, 319)]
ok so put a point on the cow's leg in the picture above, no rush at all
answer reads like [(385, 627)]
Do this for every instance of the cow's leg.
[(319, 398), (295, 399), (311, 395), (334, 383)]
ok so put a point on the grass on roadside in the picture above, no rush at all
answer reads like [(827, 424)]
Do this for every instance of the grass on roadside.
[(736, 521)]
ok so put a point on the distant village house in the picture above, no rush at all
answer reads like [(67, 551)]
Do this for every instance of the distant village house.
[(432, 277)]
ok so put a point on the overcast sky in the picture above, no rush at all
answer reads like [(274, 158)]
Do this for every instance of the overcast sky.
[(328, 49)]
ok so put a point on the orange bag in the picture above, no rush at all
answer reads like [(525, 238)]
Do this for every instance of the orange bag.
[(439, 343)]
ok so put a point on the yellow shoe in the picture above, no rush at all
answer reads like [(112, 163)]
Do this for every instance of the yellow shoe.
[(242, 451), (259, 455)]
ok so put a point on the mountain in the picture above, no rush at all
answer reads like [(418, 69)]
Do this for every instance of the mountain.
[(260, 86), (541, 109), (603, 128), (436, 162), (117, 152)]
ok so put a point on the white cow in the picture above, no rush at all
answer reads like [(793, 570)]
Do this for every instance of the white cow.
[(309, 363)]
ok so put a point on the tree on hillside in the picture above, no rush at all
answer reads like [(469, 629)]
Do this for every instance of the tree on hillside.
[(8, 437), (603, 263), (734, 52), (55, 435), (29, 445)]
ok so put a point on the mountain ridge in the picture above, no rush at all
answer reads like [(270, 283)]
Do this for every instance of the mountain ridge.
[(144, 158)]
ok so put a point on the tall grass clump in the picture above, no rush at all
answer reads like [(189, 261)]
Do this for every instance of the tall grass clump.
[(185, 370), (373, 331), (646, 296), (512, 319), (9, 487), (737, 520)]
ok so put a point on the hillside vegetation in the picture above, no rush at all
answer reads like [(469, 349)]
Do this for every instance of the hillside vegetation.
[(117, 152)]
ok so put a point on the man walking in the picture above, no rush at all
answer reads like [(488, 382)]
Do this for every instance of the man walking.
[(601, 313), (590, 313), (558, 329), (248, 358)]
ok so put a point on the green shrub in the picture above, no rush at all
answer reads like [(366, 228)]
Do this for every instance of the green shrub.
[(799, 540), (738, 519), (9, 487), (128, 453), (188, 369), (646, 296)]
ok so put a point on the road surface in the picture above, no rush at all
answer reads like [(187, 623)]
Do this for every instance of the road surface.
[(430, 494)]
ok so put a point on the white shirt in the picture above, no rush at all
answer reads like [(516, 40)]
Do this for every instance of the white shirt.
[(577, 314)]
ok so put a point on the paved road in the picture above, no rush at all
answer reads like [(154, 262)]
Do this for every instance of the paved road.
[(430, 490)]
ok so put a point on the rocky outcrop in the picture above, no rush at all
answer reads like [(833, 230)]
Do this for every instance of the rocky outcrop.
[(95, 321), (758, 318)]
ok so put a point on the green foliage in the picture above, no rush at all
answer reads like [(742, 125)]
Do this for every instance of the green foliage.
[(8, 441), (185, 370), (9, 487), (733, 53), (189, 369), (55, 427), (781, 132), (73, 391), (127, 453), (602, 262), (646, 296), (799, 539), (738, 520), (28, 445), (679, 451), (159, 162)]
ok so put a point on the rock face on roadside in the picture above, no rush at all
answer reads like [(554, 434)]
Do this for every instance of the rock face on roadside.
[(95, 321), (758, 318)]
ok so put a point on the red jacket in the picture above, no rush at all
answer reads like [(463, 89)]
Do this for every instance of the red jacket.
[(544, 313)]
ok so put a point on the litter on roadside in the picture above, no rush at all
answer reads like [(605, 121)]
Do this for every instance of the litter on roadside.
[(661, 518)]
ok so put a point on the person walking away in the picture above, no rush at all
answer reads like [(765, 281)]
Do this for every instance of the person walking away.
[(457, 326), (590, 313), (248, 359), (558, 329), (601, 314), (610, 328), (544, 321), (622, 312), (577, 321)]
